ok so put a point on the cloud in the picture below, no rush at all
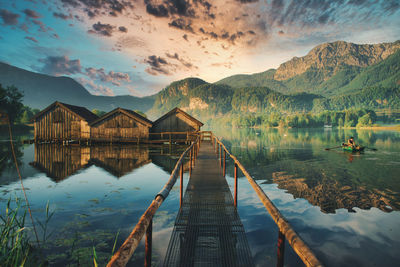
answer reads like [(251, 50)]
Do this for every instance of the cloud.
[(113, 77), (41, 25), (62, 16), (33, 39), (247, 1), (102, 29), (106, 29), (184, 63), (94, 8), (172, 7), (181, 24), (8, 17), (123, 29), (95, 89), (32, 14), (157, 10), (60, 65), (158, 65)]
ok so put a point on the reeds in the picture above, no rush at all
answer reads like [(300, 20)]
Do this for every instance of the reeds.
[(14, 241)]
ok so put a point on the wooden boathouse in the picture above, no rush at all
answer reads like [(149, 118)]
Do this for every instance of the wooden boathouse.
[(120, 125), (174, 122), (63, 122)]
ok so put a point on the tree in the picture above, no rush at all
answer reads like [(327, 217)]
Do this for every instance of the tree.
[(99, 113), (11, 102), (365, 120)]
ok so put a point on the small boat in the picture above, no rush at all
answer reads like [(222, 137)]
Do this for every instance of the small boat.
[(353, 149)]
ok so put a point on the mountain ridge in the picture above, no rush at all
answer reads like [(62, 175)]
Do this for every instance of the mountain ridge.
[(44, 89), (333, 85)]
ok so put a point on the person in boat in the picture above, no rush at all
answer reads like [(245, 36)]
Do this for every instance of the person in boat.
[(351, 142)]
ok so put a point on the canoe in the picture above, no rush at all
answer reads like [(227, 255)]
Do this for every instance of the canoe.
[(353, 149)]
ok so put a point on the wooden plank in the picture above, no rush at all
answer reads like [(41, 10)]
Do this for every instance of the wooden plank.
[(208, 230)]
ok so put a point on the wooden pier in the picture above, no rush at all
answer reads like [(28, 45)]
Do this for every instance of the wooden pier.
[(208, 230)]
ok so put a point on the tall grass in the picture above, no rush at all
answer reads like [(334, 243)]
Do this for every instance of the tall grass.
[(14, 241), (16, 248)]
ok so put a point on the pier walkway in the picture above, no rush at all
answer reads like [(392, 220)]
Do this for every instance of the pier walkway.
[(208, 230)]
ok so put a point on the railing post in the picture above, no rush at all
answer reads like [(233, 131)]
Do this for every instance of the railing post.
[(224, 163), (149, 237), (190, 164), (236, 184), (281, 249), (219, 154), (181, 186)]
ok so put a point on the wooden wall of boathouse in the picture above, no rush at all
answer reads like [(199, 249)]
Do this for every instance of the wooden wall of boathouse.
[(175, 123), (60, 124), (118, 127)]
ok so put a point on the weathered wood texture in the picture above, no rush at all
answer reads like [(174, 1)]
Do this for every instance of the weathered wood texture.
[(175, 123), (119, 160), (119, 127), (208, 230), (60, 162), (60, 124)]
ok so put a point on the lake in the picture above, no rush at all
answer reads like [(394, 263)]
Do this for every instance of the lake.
[(344, 205)]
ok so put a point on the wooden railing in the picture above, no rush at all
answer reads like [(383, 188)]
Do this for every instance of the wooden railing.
[(285, 229), (145, 224)]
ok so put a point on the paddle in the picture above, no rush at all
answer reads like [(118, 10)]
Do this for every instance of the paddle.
[(374, 149), (329, 148)]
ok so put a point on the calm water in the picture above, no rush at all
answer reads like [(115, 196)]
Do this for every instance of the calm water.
[(345, 206)]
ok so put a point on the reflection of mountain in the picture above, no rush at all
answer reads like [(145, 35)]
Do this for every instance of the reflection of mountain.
[(60, 162), (119, 160), (330, 195)]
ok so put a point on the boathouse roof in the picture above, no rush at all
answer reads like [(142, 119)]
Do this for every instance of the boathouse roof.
[(81, 112), (129, 113), (175, 111)]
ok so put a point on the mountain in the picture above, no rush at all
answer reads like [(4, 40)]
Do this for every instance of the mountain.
[(330, 69), (331, 56), (41, 90), (332, 76)]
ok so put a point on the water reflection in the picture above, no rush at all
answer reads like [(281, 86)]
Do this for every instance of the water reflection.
[(296, 161), (119, 160), (60, 162)]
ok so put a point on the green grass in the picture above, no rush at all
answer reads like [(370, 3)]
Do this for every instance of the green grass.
[(14, 241)]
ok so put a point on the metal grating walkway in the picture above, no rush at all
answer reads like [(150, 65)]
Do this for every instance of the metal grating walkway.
[(208, 230)]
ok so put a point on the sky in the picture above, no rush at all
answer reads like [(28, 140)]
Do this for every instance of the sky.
[(120, 47)]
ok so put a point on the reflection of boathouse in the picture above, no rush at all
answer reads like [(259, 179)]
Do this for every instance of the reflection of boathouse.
[(61, 121), (119, 160), (60, 162), (120, 125)]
